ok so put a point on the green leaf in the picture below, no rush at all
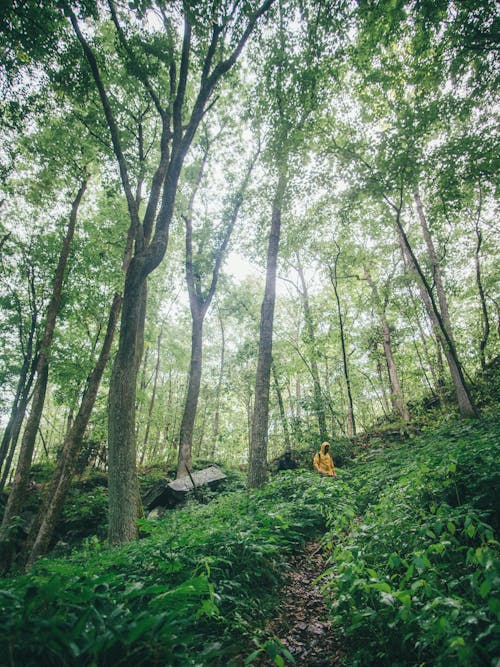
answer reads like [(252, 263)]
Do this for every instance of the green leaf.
[(470, 530), (485, 588), (250, 658)]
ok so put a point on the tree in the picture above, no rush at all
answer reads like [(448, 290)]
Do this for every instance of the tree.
[(311, 339), (216, 39), (397, 398), (290, 97), (20, 484), (43, 527), (29, 350), (200, 299), (351, 423)]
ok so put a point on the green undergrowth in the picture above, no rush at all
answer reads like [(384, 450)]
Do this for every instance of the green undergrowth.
[(414, 576), (195, 591)]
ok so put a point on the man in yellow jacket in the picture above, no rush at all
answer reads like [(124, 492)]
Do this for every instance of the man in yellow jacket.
[(323, 462)]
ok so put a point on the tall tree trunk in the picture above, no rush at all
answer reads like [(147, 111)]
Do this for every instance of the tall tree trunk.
[(257, 463), (435, 268), (122, 479), (215, 430), (284, 421), (351, 423), (13, 428), (168, 419), (21, 397), (397, 398), (319, 403), (43, 528), (153, 398), (199, 301), (464, 399), (18, 491), (485, 321), (184, 464), (436, 369)]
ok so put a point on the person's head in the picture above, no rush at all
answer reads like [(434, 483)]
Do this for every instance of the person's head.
[(288, 454), (325, 447)]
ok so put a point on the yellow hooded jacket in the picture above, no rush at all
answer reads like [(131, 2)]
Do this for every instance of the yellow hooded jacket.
[(324, 461)]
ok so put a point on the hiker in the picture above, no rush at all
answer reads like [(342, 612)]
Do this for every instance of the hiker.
[(323, 462), (286, 462)]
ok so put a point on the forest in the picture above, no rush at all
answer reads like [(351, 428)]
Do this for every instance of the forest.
[(230, 230)]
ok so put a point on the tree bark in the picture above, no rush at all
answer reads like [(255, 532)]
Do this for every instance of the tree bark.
[(215, 430), (45, 523), (257, 464), (20, 484), (351, 423), (122, 479), (319, 404), (485, 321), (153, 398), (397, 398), (281, 405), (464, 400), (184, 464)]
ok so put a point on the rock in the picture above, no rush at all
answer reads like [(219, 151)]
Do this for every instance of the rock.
[(168, 494)]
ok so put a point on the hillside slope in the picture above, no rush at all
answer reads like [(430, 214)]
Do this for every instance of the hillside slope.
[(413, 575)]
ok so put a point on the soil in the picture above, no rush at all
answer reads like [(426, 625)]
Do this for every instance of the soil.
[(303, 626)]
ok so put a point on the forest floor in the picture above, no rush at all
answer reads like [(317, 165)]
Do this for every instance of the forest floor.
[(302, 625)]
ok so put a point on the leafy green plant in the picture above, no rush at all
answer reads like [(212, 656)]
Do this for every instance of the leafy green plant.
[(195, 591), (415, 576)]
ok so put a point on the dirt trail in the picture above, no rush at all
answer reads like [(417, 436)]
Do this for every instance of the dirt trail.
[(303, 625)]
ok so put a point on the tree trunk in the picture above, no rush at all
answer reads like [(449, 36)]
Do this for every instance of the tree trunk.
[(153, 398), (21, 479), (199, 301), (184, 464), (122, 479), (435, 268), (215, 431), (281, 405), (464, 399), (43, 527), (319, 404), (351, 423), (436, 386), (257, 464), (20, 401), (485, 321), (397, 398), (18, 412)]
